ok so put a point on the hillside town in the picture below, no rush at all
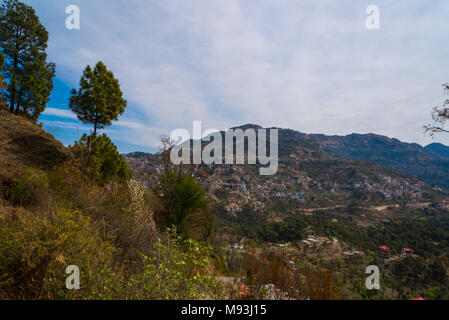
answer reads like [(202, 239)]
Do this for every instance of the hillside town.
[(240, 184)]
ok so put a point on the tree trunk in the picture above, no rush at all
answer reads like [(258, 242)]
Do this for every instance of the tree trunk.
[(19, 101), (95, 129), (13, 93), (13, 84), (11, 104)]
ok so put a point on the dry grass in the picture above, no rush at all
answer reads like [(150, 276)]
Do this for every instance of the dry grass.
[(25, 144)]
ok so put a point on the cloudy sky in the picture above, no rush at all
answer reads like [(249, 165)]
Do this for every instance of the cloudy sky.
[(309, 65)]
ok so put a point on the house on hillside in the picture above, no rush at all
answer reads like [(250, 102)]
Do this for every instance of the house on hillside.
[(313, 240), (353, 252), (308, 244), (406, 252), (237, 246), (384, 252)]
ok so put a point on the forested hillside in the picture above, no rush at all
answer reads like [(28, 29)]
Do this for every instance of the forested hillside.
[(429, 163)]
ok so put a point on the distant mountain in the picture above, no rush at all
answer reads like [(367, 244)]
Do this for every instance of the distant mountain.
[(431, 163), (317, 171), (439, 149), (248, 126), (329, 159)]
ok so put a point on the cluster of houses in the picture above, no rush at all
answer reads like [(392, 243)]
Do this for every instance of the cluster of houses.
[(270, 188), (391, 188), (384, 252), (139, 160), (294, 186), (299, 186)]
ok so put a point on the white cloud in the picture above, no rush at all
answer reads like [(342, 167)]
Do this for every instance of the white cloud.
[(66, 125), (62, 113), (309, 65)]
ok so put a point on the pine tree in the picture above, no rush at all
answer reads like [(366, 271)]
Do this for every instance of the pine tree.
[(38, 80), (99, 100), (23, 41), (100, 159)]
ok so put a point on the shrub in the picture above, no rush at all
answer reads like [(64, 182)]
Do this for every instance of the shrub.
[(183, 203), (29, 188), (176, 270), (69, 185), (268, 276), (35, 250), (100, 159)]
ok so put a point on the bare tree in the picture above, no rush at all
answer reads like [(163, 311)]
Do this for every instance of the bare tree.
[(440, 115)]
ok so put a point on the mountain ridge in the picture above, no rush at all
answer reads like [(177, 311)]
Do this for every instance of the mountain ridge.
[(429, 163)]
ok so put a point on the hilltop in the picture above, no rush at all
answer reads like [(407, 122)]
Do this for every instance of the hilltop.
[(430, 163), (25, 144), (439, 149)]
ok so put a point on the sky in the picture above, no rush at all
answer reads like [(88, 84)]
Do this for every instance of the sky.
[(309, 65)]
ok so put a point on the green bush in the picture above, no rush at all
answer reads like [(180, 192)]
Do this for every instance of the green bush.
[(29, 188), (184, 203), (176, 270), (68, 185), (100, 158), (36, 249)]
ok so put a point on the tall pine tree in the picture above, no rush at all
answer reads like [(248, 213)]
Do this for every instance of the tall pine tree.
[(38, 82), (99, 100), (23, 41)]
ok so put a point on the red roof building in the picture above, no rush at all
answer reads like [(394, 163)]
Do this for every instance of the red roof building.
[(384, 252), (407, 252)]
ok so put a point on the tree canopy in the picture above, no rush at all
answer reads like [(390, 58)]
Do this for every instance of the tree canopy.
[(100, 158), (23, 40), (98, 100)]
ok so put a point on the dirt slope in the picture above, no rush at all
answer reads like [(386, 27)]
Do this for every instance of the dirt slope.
[(23, 143)]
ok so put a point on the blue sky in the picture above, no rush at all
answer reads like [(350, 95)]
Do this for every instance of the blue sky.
[(307, 65)]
